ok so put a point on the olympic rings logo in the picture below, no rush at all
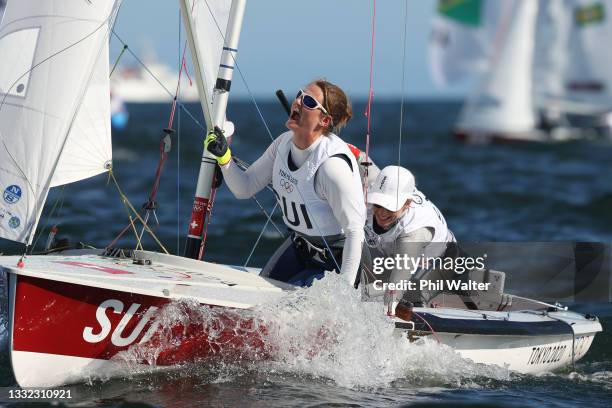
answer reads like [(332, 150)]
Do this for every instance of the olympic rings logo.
[(286, 185)]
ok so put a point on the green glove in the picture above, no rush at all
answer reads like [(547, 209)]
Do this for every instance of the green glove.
[(216, 144)]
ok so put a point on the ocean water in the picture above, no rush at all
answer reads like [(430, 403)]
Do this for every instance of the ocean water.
[(526, 192)]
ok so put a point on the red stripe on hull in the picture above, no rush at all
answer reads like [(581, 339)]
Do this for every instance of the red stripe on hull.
[(74, 320)]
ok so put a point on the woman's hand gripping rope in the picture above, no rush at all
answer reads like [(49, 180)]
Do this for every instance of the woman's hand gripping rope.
[(216, 144)]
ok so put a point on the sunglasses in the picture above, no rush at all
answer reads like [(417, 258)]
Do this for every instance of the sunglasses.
[(309, 102)]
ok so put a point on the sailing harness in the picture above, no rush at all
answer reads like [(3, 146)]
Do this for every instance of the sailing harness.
[(315, 249)]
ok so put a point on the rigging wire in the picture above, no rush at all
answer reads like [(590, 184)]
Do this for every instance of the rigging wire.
[(403, 97), (368, 111), (260, 235), (243, 165), (178, 152), (146, 68)]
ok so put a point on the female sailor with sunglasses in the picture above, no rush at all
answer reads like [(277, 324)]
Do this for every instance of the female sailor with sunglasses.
[(316, 181)]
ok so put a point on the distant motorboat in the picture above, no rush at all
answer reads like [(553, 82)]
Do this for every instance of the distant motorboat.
[(155, 84)]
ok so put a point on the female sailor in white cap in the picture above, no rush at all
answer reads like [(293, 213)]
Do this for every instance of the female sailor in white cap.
[(316, 181), (402, 221)]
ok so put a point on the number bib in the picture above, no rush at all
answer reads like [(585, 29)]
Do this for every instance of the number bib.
[(303, 210)]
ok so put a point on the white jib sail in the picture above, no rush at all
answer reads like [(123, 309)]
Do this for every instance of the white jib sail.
[(88, 149), (503, 102), (52, 47), (462, 37), (206, 26)]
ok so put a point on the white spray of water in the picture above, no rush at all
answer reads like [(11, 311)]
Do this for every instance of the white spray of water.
[(325, 331)]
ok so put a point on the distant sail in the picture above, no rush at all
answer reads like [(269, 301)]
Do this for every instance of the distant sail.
[(589, 78), (53, 47), (503, 102), (462, 38)]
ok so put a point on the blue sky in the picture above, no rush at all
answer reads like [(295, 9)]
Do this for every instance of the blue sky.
[(286, 43)]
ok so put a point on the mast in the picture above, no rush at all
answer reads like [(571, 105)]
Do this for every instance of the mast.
[(223, 83)]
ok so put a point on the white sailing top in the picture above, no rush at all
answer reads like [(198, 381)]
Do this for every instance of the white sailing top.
[(422, 214), (332, 181)]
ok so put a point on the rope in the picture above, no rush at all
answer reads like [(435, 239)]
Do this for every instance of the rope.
[(368, 111), (178, 153), (209, 209), (571, 326), (260, 235), (401, 124), (178, 86), (117, 60), (131, 207), (60, 201), (428, 325)]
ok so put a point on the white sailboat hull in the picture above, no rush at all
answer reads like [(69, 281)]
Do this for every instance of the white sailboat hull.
[(539, 355), (528, 342), (73, 317)]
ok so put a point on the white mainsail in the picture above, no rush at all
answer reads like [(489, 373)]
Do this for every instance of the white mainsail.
[(462, 38), (503, 102), (53, 47), (206, 27)]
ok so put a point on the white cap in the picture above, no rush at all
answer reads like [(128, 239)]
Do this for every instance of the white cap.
[(393, 186)]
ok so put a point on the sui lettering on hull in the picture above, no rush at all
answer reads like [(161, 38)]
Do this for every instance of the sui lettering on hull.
[(118, 338)]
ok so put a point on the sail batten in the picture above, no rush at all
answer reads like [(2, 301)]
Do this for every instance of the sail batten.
[(60, 53)]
